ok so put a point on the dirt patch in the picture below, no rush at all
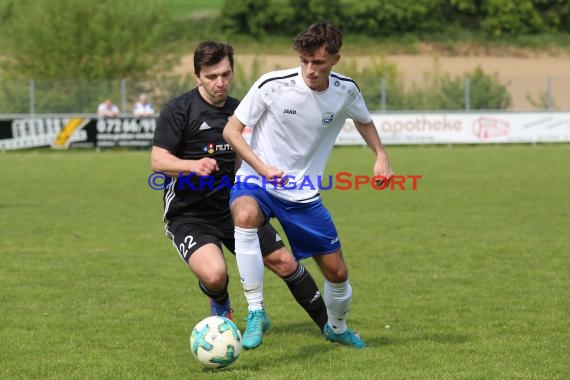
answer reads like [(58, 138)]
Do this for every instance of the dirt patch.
[(523, 76)]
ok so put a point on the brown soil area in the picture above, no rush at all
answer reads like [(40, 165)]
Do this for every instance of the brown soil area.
[(523, 76)]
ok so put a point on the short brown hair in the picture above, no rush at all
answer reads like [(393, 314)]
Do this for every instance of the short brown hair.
[(209, 53), (320, 33)]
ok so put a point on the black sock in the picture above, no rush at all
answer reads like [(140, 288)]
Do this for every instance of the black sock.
[(305, 290), (220, 297)]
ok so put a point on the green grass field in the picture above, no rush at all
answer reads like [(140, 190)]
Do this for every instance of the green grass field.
[(465, 278)]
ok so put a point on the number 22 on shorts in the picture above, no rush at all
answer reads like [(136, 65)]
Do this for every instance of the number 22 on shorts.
[(186, 245)]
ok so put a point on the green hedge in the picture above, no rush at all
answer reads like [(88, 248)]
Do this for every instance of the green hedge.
[(437, 91), (381, 18)]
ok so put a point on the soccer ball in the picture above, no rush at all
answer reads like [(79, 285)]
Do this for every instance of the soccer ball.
[(216, 342)]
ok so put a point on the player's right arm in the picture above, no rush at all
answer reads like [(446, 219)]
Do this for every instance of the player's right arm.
[(167, 139), (161, 160), (233, 135)]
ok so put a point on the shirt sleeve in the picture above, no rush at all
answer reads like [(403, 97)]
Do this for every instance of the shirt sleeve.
[(168, 132), (357, 109), (252, 106)]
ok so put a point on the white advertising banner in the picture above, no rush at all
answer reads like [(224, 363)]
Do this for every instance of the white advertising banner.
[(64, 131), (464, 128)]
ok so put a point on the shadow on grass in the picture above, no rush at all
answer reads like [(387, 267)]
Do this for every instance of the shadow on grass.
[(302, 353), (303, 333), (305, 328), (372, 340)]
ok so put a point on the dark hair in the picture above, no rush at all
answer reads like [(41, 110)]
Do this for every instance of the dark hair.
[(210, 53), (320, 33)]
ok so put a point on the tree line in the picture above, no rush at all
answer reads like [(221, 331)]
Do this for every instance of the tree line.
[(384, 18), (75, 40)]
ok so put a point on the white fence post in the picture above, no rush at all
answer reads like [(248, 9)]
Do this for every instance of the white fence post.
[(383, 94), (549, 93), (123, 96), (467, 93), (32, 97)]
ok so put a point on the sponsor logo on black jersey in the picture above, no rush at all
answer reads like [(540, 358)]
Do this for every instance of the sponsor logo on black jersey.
[(209, 148), (212, 148)]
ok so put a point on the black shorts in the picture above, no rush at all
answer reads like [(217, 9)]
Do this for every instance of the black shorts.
[(189, 235)]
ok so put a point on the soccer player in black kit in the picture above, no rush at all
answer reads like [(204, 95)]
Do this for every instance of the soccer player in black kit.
[(188, 140)]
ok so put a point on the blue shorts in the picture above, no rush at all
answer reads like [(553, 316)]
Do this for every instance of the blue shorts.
[(308, 226)]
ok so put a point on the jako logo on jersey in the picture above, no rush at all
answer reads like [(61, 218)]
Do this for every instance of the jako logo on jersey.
[(291, 112), (211, 148), (327, 118)]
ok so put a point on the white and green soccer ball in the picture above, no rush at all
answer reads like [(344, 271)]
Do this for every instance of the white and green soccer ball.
[(216, 342)]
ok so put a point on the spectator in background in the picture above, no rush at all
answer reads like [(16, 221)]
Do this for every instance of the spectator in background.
[(143, 107), (108, 109)]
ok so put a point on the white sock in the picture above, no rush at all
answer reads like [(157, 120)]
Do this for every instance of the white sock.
[(337, 299), (250, 266)]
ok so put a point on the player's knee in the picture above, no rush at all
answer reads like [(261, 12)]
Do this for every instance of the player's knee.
[(214, 281), (243, 218), (246, 216)]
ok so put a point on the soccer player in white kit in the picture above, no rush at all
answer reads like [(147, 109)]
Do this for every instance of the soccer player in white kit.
[(296, 116)]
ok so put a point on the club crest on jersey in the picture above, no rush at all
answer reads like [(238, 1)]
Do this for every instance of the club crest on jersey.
[(327, 118)]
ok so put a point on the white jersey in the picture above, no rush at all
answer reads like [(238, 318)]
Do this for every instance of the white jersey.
[(294, 128)]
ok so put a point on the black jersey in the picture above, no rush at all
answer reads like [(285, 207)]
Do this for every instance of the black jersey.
[(191, 128)]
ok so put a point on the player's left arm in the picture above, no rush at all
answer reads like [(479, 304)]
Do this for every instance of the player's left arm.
[(370, 135)]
